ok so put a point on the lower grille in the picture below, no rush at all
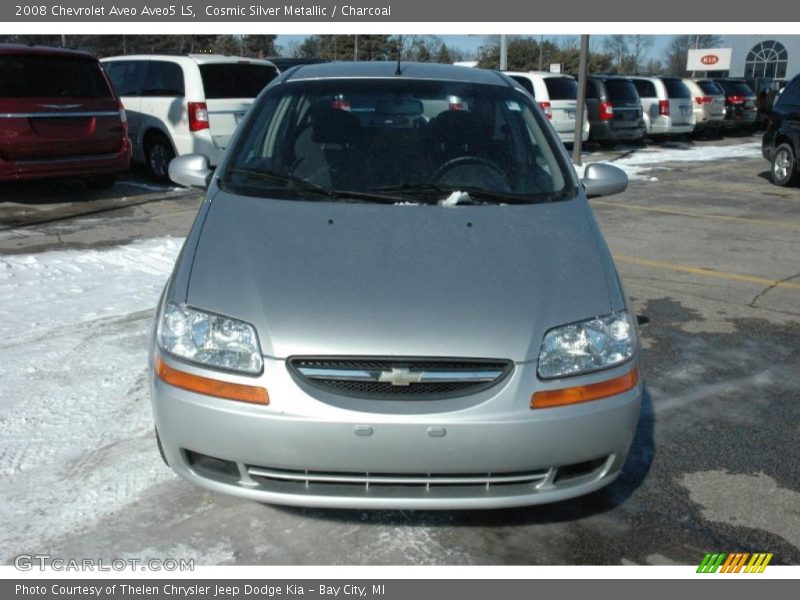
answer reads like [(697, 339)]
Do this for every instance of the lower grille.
[(352, 484), (399, 378), (320, 483)]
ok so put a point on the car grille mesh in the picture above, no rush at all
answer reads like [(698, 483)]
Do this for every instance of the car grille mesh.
[(290, 481), (399, 379)]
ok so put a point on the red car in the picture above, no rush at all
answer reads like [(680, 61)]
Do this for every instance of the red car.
[(59, 117)]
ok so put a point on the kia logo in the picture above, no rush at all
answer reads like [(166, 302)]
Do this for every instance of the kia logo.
[(709, 59)]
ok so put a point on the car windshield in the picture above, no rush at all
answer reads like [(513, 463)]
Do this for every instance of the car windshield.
[(737, 88), (51, 77), (709, 87), (235, 80), (561, 88), (622, 90), (398, 140), (676, 89)]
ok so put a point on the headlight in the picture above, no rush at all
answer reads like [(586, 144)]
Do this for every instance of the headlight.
[(209, 339), (587, 346)]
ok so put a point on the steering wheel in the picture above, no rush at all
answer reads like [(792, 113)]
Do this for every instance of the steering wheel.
[(464, 161)]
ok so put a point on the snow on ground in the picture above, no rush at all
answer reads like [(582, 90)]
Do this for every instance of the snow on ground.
[(76, 429), (640, 162)]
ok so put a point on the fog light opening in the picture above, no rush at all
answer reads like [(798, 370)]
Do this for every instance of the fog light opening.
[(577, 470), (210, 466)]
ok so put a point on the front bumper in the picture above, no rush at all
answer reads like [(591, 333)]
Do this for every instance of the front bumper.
[(75, 166), (309, 448)]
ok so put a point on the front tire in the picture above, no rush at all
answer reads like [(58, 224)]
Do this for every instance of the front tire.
[(158, 153), (784, 166)]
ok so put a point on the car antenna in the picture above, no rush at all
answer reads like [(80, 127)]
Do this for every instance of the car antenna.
[(399, 55)]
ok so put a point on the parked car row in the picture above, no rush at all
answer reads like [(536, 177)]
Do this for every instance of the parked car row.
[(64, 113), (621, 108)]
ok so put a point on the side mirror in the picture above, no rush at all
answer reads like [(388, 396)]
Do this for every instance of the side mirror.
[(190, 170), (599, 179)]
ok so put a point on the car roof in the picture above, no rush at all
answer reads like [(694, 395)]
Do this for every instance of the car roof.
[(543, 74), (200, 59), (388, 70), (603, 77), (24, 49)]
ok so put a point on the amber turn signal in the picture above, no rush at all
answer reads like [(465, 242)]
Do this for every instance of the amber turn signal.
[(585, 393), (210, 387)]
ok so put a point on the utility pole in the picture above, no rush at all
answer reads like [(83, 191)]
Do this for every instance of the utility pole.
[(355, 49), (583, 61), (541, 50), (503, 52)]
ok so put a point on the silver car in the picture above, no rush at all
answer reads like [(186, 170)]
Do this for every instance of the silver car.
[(395, 296), (666, 105)]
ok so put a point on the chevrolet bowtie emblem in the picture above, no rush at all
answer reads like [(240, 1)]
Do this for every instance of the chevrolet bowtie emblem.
[(400, 377)]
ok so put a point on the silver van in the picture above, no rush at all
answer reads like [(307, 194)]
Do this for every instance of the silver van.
[(666, 104)]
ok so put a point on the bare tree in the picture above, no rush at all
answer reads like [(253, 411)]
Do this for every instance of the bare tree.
[(617, 46), (640, 46)]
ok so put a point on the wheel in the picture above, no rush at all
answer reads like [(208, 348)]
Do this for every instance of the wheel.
[(467, 164), (784, 166), (101, 182), (158, 153)]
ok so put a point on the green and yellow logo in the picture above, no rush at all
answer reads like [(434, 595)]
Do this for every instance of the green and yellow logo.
[(734, 563)]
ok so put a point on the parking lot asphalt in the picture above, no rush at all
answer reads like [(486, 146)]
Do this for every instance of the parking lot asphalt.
[(709, 253)]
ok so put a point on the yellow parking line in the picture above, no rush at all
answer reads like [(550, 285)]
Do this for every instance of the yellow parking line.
[(689, 213), (644, 262)]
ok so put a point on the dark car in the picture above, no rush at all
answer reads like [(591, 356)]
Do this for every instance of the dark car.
[(59, 117), (740, 103), (781, 142), (615, 111)]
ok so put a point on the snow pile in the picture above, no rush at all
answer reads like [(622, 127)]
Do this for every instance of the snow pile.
[(76, 429), (39, 292), (640, 163)]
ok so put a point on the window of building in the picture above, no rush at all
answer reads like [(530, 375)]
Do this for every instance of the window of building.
[(767, 59)]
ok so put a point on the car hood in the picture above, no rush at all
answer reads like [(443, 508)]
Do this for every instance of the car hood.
[(325, 278)]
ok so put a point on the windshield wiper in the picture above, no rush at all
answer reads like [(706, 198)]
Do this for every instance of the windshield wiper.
[(476, 193), (298, 183)]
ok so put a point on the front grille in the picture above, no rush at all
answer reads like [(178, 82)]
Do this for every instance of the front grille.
[(405, 484), (399, 378)]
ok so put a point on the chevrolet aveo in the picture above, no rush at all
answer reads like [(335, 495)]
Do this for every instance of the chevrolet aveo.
[(395, 295)]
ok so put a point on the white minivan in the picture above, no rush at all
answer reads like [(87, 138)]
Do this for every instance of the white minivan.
[(184, 104), (557, 95)]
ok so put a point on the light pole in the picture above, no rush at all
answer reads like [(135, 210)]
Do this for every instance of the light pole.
[(583, 61)]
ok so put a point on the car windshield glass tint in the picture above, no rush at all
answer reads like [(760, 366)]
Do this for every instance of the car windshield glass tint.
[(51, 77), (676, 89), (163, 78), (738, 88), (230, 80), (622, 91), (561, 88), (711, 88), (416, 140), (524, 82), (645, 88)]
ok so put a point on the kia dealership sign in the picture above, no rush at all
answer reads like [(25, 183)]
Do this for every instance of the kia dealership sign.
[(709, 59)]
